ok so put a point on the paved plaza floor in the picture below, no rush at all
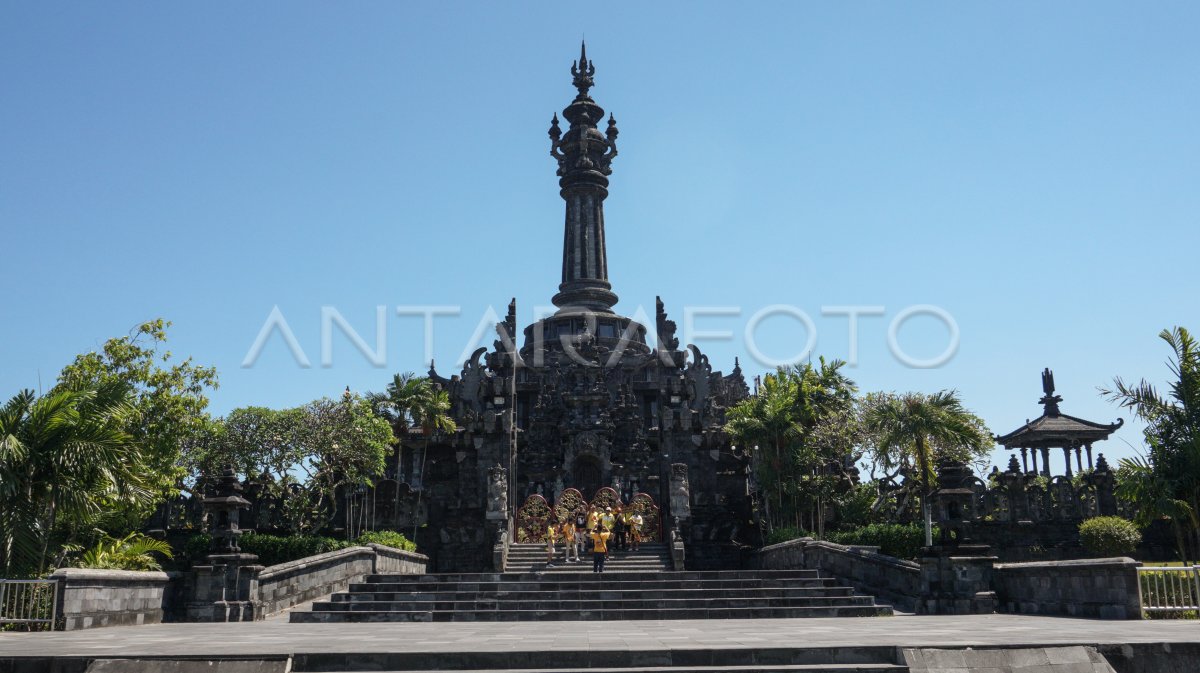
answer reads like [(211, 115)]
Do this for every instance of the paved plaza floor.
[(279, 637)]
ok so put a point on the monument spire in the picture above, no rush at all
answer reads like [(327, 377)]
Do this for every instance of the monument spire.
[(584, 156)]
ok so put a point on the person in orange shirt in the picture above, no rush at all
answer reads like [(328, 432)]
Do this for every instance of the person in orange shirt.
[(599, 548)]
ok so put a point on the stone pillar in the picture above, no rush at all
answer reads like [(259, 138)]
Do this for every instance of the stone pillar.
[(1105, 483), (957, 581), (1089, 455), (226, 588), (497, 515), (1046, 461), (1035, 465), (1079, 458), (1025, 459), (956, 578), (1067, 460)]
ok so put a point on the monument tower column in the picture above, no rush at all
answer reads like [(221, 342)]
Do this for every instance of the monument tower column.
[(584, 156)]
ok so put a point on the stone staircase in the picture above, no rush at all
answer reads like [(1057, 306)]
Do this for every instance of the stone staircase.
[(699, 659), (528, 558), (574, 595)]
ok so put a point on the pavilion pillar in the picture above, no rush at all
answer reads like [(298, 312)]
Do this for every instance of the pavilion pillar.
[(1035, 465), (1089, 455), (1067, 456), (1079, 458), (1025, 458), (1046, 461)]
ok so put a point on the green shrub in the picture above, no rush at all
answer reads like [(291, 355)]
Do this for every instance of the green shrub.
[(784, 534), (132, 552), (1109, 536), (387, 538), (271, 549), (894, 539)]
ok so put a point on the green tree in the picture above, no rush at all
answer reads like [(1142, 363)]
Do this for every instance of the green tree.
[(802, 422), (432, 415), (300, 457), (66, 459), (1165, 483), (343, 444), (398, 405), (169, 398), (913, 431)]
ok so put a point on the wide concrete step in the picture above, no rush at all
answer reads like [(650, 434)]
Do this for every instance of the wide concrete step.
[(592, 594), (332, 616), (586, 574), (616, 582), (478, 604), (698, 659), (795, 668)]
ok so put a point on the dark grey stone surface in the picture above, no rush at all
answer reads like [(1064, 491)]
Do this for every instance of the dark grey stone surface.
[(890, 578), (90, 598), (1104, 588)]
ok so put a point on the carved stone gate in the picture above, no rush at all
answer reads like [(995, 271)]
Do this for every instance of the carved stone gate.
[(536, 514)]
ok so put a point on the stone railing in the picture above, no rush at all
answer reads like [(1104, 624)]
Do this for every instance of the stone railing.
[(1105, 588), (286, 585), (89, 598), (888, 577)]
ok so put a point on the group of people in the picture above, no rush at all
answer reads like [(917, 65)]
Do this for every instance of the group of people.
[(622, 526)]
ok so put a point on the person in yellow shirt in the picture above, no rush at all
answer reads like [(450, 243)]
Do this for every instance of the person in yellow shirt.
[(593, 518), (568, 536), (551, 535), (607, 520), (599, 548), (635, 529)]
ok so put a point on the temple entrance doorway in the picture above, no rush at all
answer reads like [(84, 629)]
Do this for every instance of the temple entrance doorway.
[(586, 474)]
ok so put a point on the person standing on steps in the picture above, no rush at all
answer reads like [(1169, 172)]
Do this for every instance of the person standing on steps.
[(580, 534), (635, 529), (568, 536), (607, 521), (599, 548), (551, 534), (619, 531)]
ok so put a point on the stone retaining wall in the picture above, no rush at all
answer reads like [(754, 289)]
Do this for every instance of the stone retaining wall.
[(1104, 588), (90, 598), (289, 584), (887, 577)]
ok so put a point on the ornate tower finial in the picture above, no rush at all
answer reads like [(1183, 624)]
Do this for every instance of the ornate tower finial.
[(584, 155), (1049, 399), (582, 71)]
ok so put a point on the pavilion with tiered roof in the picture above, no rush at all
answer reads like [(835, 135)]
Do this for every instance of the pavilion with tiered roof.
[(1054, 429)]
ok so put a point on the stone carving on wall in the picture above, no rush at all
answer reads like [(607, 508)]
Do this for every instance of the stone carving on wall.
[(681, 497), (497, 502)]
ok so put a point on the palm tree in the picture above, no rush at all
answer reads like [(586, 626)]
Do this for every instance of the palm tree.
[(132, 552), (769, 420), (782, 419), (1166, 483), (915, 428), (432, 414), (398, 404), (65, 458)]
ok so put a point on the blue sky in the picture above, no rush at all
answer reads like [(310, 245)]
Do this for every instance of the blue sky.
[(1030, 168)]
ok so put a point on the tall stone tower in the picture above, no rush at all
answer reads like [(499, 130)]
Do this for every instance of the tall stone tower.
[(585, 408)]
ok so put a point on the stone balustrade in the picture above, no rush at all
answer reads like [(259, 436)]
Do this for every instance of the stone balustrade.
[(887, 577), (1106, 588), (89, 598)]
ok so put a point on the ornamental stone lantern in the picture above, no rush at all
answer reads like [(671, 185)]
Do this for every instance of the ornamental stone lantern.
[(956, 578), (226, 588)]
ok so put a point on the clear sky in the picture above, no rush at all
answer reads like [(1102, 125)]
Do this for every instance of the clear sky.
[(1030, 168)]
